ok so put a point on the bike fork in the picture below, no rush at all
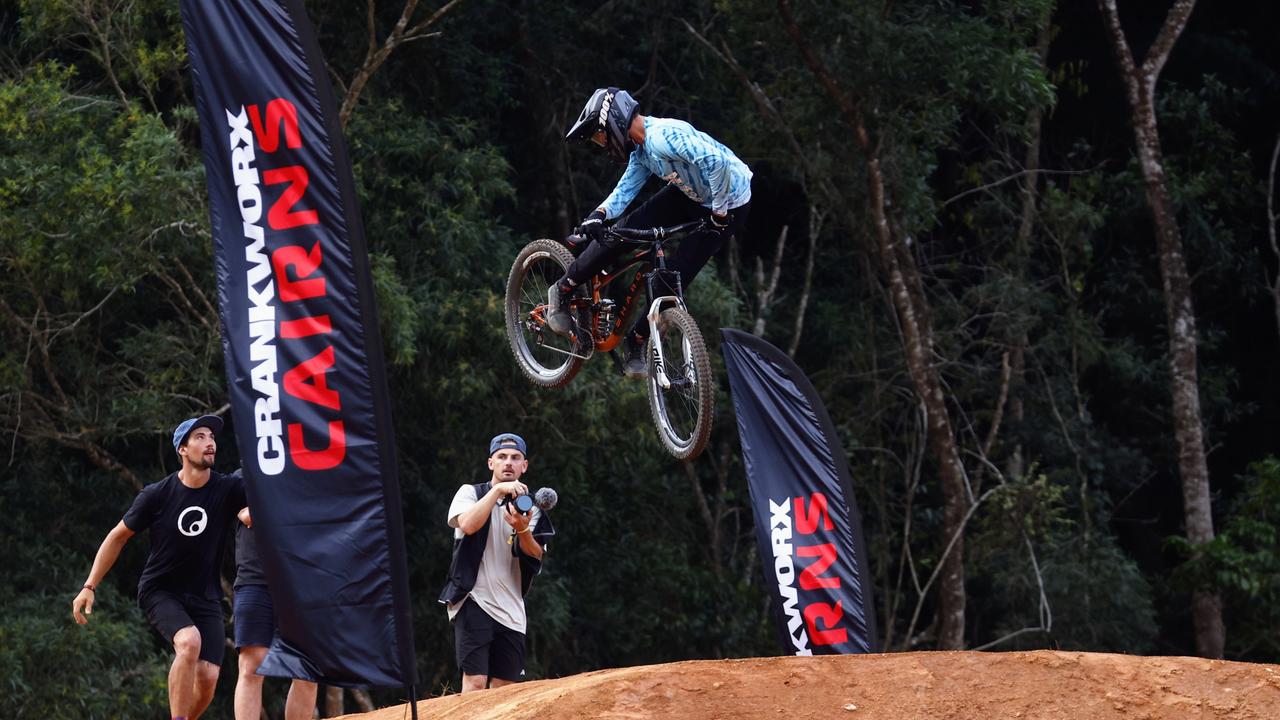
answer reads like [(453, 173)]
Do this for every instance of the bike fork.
[(659, 360)]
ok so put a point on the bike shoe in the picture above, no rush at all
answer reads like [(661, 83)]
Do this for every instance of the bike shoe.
[(558, 318), (635, 365)]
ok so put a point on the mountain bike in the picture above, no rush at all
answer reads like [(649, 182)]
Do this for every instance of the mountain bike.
[(680, 387)]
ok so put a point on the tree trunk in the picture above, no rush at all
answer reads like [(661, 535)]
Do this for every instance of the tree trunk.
[(1014, 464), (902, 275), (1206, 607), (1274, 283), (1140, 82)]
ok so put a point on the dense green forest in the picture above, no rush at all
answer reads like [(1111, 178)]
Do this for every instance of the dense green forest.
[(955, 232)]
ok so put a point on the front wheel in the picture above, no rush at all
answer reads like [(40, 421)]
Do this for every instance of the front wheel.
[(544, 357), (682, 412)]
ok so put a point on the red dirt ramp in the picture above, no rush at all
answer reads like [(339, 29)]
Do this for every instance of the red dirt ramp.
[(896, 686)]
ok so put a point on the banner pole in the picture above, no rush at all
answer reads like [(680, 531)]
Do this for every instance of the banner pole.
[(413, 701)]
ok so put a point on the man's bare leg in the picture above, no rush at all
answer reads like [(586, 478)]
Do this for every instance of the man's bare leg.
[(471, 683), (301, 704), (249, 683), (182, 674), (206, 682)]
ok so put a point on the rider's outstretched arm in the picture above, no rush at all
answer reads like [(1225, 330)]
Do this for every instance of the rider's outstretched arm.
[(107, 554)]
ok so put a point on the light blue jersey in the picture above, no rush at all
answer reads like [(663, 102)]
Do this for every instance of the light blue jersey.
[(703, 169)]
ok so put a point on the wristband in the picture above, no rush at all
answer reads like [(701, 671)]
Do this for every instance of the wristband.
[(91, 588), (526, 530)]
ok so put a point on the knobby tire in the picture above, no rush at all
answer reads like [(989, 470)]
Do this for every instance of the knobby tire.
[(682, 415), (539, 264)]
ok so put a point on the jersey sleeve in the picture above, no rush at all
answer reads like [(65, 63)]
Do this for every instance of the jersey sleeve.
[(462, 501), (627, 188), (143, 511)]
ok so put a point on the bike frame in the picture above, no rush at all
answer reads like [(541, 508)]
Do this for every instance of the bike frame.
[(659, 285)]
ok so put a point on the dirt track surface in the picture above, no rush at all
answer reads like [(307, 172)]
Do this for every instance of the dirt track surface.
[(898, 686)]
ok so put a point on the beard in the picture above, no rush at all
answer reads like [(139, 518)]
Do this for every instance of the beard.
[(202, 462)]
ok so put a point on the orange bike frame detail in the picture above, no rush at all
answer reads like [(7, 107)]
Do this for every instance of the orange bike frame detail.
[(598, 284)]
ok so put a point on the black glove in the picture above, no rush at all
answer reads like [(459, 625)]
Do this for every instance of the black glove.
[(592, 225)]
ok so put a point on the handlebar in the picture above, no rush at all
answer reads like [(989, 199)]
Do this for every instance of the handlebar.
[(657, 233)]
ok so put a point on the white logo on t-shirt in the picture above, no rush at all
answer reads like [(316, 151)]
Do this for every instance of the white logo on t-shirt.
[(196, 526)]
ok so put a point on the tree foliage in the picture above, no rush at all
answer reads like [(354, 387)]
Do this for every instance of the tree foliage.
[(1026, 228)]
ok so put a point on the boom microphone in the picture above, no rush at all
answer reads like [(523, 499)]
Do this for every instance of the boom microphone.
[(545, 498)]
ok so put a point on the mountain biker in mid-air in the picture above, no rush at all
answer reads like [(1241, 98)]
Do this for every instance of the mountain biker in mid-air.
[(704, 178)]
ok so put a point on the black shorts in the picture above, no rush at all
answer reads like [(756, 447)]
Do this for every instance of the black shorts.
[(486, 646), (254, 616), (170, 612)]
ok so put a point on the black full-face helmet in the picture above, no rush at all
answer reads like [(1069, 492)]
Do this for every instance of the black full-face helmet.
[(609, 110)]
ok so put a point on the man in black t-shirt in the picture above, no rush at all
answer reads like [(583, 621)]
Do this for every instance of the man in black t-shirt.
[(188, 513)]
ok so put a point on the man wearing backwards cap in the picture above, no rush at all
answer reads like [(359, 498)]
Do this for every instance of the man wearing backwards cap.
[(492, 567), (188, 513)]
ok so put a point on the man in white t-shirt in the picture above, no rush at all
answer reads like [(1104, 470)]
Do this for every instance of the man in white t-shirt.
[(496, 553)]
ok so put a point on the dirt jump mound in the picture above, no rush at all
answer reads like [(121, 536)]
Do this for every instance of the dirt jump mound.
[(897, 686)]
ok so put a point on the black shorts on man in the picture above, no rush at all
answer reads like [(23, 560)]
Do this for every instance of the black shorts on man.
[(254, 616), (253, 611), (487, 647), (170, 612)]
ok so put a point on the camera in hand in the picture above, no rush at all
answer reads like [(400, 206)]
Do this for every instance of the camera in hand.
[(522, 503), (545, 499)]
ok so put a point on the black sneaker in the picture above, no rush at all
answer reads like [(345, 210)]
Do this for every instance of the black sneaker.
[(558, 317), (635, 365)]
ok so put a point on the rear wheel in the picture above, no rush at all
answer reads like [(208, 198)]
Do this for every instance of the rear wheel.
[(682, 413), (547, 359)]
